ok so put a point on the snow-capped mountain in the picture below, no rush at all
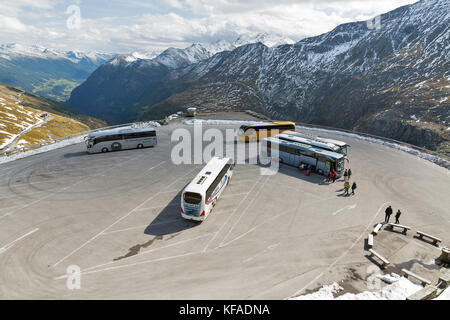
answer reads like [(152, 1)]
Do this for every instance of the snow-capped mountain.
[(267, 39), (13, 51), (123, 78), (175, 58), (48, 72), (363, 76)]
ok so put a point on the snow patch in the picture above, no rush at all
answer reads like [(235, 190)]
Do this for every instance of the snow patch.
[(325, 293), (444, 295), (399, 289), (53, 146), (68, 142)]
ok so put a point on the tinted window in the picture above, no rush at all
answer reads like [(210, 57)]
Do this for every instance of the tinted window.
[(139, 135), (216, 181), (108, 138), (286, 127), (193, 198)]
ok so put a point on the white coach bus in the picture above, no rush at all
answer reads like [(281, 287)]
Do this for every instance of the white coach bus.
[(120, 140), (200, 196)]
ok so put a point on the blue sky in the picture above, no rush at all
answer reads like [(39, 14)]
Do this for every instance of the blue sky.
[(135, 25)]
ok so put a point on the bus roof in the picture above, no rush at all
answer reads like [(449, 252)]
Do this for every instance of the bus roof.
[(207, 175), (302, 146), (311, 142), (121, 131), (320, 139), (336, 142), (276, 123)]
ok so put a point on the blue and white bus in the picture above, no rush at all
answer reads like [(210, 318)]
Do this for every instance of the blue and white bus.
[(318, 142), (115, 140), (296, 154), (201, 195)]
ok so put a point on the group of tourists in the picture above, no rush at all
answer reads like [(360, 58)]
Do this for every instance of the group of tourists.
[(331, 176), (347, 176)]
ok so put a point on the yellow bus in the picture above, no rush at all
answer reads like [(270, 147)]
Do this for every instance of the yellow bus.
[(258, 132)]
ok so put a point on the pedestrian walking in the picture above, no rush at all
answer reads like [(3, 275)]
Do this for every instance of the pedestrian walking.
[(349, 173), (345, 174), (397, 216), (346, 187), (388, 214), (354, 186)]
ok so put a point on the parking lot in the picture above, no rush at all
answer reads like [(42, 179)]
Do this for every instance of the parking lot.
[(117, 217)]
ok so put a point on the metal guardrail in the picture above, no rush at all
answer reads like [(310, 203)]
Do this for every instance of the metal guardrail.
[(50, 142)]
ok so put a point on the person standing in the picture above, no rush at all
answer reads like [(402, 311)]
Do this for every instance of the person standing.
[(397, 216), (349, 173), (354, 186), (345, 174), (334, 177), (346, 187), (388, 214)]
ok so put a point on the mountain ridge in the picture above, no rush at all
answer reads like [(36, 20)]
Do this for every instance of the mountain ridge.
[(355, 77)]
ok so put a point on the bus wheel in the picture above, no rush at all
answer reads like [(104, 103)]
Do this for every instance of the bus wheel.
[(140, 146), (105, 150)]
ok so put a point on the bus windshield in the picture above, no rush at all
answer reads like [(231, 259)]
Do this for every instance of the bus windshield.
[(343, 150), (192, 198), (90, 143), (242, 129)]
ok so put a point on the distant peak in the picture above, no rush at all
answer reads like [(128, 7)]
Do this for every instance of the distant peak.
[(269, 40)]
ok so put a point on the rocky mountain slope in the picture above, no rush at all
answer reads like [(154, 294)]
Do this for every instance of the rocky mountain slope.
[(22, 122), (390, 79), (47, 72), (117, 90)]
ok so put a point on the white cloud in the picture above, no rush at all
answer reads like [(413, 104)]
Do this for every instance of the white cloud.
[(171, 3), (11, 25), (179, 22)]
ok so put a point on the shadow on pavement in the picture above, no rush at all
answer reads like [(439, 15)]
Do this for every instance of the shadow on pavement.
[(169, 220), (296, 173)]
